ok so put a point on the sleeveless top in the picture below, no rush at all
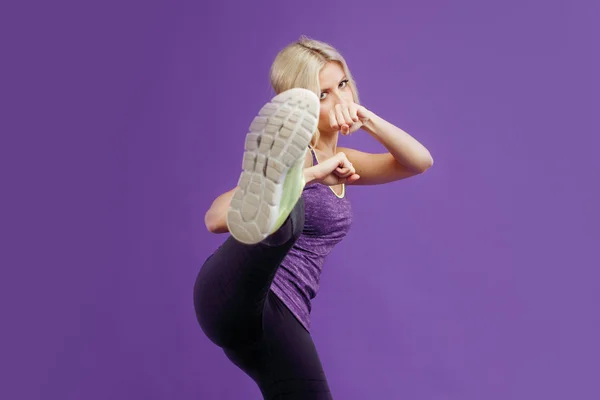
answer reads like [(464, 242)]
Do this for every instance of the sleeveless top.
[(328, 218)]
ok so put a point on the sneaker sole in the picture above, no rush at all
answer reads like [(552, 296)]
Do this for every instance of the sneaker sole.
[(279, 137)]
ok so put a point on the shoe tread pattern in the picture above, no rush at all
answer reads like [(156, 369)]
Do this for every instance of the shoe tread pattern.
[(278, 138)]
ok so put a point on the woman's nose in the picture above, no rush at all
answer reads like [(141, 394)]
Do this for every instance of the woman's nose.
[(340, 99)]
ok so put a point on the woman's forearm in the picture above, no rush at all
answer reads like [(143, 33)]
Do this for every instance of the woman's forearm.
[(309, 176)]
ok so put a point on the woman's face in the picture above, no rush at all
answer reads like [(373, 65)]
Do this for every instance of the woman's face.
[(334, 90)]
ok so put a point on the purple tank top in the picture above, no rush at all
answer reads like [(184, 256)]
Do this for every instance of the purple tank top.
[(327, 221)]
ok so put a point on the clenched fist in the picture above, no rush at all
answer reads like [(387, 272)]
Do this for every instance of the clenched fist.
[(333, 171), (348, 117)]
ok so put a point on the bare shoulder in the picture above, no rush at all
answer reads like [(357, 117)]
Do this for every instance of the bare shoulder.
[(308, 161)]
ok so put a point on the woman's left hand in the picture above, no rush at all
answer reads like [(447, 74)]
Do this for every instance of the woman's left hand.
[(348, 118)]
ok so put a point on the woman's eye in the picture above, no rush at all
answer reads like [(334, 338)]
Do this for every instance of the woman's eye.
[(344, 83)]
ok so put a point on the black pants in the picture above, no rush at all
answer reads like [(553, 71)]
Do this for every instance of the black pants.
[(258, 333)]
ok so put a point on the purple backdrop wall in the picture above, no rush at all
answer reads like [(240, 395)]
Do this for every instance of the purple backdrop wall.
[(477, 280)]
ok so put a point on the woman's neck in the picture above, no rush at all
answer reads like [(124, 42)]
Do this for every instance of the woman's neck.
[(328, 144)]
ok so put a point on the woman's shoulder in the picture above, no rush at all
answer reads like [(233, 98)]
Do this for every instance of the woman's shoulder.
[(308, 161)]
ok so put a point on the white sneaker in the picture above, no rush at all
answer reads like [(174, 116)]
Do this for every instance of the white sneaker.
[(272, 179)]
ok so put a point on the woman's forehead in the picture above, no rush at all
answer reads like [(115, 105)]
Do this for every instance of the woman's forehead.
[(330, 75)]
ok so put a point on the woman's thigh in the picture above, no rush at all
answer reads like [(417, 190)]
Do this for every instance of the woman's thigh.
[(285, 363), (231, 288)]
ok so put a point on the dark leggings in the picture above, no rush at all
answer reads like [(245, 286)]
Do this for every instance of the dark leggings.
[(258, 333)]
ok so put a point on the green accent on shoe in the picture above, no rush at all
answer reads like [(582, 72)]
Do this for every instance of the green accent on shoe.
[(293, 186)]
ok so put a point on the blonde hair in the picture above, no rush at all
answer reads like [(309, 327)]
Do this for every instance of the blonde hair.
[(299, 64)]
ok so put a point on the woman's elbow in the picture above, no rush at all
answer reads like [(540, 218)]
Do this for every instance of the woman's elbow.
[(215, 218), (214, 224), (209, 222)]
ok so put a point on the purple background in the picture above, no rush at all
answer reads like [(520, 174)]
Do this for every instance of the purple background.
[(122, 121)]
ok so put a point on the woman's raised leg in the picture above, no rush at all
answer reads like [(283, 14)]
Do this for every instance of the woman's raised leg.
[(265, 217), (232, 285)]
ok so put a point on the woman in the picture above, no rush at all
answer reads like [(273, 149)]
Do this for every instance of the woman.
[(252, 295)]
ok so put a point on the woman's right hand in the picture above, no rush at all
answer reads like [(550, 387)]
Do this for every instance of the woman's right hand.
[(333, 171)]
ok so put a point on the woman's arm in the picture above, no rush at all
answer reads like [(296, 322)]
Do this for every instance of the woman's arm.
[(407, 157), (406, 149), (332, 171)]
